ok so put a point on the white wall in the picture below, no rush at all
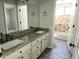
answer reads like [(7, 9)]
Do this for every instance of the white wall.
[(33, 20), (47, 21), (2, 23), (40, 6)]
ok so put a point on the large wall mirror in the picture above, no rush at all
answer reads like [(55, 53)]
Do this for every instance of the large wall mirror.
[(10, 17), (22, 14), (16, 16)]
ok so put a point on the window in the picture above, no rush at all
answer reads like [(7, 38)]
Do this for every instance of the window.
[(60, 11), (64, 10)]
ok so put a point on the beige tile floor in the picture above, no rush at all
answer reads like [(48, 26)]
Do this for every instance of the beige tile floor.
[(60, 51)]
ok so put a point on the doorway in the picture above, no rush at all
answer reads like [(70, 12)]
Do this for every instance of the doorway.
[(65, 9)]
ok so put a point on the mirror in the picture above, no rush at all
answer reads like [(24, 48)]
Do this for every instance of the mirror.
[(10, 17), (22, 15), (32, 12)]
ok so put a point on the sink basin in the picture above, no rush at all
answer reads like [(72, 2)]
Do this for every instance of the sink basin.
[(40, 32), (11, 44)]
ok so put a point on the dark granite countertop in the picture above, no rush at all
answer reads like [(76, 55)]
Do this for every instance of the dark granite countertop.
[(27, 38)]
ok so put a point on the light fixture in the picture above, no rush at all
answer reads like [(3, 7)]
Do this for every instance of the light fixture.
[(44, 13)]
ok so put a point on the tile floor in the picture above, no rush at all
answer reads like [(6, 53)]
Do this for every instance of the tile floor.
[(60, 51)]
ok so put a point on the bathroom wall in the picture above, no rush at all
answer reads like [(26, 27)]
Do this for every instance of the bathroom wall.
[(47, 21), (39, 20), (38, 7), (33, 15)]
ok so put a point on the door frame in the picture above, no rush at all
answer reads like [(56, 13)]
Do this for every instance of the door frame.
[(75, 51)]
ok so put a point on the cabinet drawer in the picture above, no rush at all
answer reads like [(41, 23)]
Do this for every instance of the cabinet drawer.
[(43, 37), (36, 41), (18, 52), (23, 49), (26, 55), (39, 40), (37, 47), (39, 52), (34, 56), (44, 45)]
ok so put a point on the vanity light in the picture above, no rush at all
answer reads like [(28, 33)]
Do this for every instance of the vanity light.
[(33, 14), (44, 13)]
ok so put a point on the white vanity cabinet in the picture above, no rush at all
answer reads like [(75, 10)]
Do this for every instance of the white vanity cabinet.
[(36, 48), (36, 51), (22, 53), (44, 42), (39, 45), (26, 55), (31, 50)]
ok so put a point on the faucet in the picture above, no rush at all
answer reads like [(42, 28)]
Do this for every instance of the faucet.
[(9, 37), (1, 38)]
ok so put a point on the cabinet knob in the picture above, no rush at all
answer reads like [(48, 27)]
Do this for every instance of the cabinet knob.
[(20, 22), (37, 47), (20, 51), (22, 57)]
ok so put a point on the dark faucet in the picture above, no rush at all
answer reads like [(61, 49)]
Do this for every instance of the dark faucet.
[(1, 38), (1, 34), (9, 37)]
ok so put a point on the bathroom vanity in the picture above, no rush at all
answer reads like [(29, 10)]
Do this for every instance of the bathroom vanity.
[(32, 46)]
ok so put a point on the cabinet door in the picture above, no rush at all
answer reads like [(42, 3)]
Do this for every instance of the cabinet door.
[(34, 56), (26, 55), (43, 45), (47, 37)]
